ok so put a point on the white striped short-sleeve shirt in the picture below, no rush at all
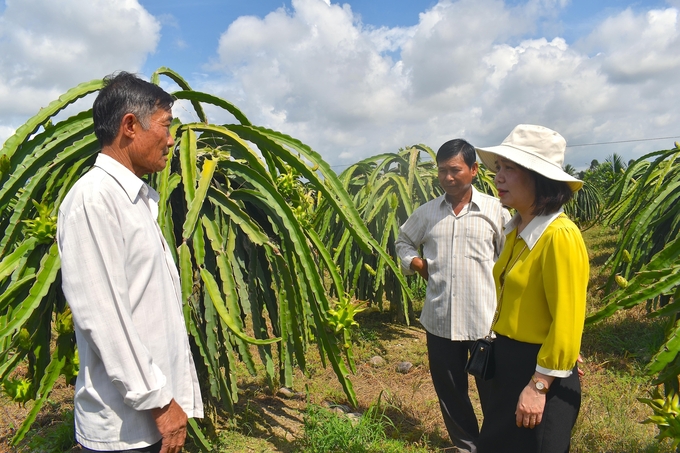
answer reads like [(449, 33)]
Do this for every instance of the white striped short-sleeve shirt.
[(460, 251)]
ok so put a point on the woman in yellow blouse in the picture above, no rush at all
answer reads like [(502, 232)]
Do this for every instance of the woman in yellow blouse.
[(541, 279)]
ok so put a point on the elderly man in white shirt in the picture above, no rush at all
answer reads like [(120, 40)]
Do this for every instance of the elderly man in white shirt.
[(461, 233), (137, 383)]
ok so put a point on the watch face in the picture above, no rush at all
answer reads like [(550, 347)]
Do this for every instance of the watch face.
[(540, 385)]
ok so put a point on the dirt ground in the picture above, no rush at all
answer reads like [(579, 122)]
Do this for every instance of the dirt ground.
[(51, 414), (273, 421), (409, 400)]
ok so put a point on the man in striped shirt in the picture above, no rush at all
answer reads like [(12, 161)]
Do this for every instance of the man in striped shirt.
[(461, 234)]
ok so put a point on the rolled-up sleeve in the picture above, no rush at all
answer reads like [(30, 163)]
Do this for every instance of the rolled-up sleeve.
[(408, 241)]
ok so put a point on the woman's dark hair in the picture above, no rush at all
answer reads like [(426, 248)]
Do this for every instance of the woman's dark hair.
[(125, 93), (454, 147), (551, 195)]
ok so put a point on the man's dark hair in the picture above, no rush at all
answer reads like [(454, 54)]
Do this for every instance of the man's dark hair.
[(551, 195), (125, 93), (454, 147)]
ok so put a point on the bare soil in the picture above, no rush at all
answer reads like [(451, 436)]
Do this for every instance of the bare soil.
[(274, 422), (267, 422), (12, 414), (409, 400), (615, 351)]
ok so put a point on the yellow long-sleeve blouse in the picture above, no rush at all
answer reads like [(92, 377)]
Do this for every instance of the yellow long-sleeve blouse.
[(544, 297)]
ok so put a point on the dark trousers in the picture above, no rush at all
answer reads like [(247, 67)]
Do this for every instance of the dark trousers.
[(447, 367), (155, 448), (515, 364)]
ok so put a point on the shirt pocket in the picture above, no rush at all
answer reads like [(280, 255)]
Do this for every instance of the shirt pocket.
[(479, 241)]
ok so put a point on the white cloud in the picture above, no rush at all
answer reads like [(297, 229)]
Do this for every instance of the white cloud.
[(636, 56), (444, 55), (638, 48), (316, 73), (466, 69), (47, 47)]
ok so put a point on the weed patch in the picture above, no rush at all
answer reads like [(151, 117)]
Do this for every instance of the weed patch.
[(329, 432)]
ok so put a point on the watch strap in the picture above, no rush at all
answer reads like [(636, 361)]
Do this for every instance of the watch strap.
[(544, 386)]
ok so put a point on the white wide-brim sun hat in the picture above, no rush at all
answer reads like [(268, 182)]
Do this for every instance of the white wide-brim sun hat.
[(536, 148)]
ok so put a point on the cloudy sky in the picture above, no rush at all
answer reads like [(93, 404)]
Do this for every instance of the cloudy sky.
[(364, 77)]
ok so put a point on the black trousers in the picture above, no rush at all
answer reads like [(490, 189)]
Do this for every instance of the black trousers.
[(155, 448), (447, 368), (515, 364)]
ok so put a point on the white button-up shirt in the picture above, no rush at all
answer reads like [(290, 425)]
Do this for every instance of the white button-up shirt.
[(123, 288), (460, 251)]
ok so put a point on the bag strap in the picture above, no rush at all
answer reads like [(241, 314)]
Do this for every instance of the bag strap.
[(500, 294)]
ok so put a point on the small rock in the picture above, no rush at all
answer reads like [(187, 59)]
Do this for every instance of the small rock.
[(354, 417), (404, 367), (344, 409), (285, 392), (377, 361)]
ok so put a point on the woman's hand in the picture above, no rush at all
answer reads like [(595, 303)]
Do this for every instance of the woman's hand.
[(581, 373), (531, 404)]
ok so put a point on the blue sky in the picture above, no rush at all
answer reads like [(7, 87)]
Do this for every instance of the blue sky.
[(200, 25), (364, 77)]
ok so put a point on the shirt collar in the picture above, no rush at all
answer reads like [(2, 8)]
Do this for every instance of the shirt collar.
[(131, 184), (474, 200), (532, 232)]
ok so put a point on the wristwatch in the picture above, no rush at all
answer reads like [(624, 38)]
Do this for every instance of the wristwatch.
[(539, 385)]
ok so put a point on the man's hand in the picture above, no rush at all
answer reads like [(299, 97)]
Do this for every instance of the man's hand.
[(172, 424), (420, 265)]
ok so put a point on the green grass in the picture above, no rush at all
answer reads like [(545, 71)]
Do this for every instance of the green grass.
[(56, 438), (329, 432), (611, 414), (234, 440), (615, 352)]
